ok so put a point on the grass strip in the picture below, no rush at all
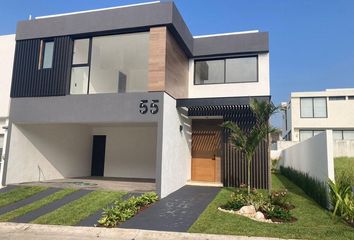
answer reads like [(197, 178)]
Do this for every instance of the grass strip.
[(75, 211), (35, 205), (19, 194), (313, 221)]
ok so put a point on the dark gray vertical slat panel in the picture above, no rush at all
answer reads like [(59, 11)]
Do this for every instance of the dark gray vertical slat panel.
[(29, 81)]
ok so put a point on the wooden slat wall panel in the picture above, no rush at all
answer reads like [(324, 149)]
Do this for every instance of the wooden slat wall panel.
[(168, 64), (29, 81), (176, 69)]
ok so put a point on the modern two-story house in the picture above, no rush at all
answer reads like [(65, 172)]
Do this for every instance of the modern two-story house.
[(309, 113), (128, 92)]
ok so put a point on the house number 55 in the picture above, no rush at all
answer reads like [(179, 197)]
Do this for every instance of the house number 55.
[(144, 106)]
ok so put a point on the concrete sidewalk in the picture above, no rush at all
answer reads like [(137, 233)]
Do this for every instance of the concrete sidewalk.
[(17, 231)]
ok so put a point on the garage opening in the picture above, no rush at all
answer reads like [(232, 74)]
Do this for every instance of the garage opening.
[(43, 152)]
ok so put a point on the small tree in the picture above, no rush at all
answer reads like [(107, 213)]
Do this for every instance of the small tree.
[(247, 140)]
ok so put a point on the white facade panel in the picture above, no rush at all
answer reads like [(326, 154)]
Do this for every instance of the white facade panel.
[(176, 148), (260, 88), (46, 152), (130, 151)]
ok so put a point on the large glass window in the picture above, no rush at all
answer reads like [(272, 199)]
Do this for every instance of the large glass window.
[(207, 72), (48, 50), (241, 70), (348, 135), (80, 70), (343, 134), (230, 70), (313, 107), (119, 63)]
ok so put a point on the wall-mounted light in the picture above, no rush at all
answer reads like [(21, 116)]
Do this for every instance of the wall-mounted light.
[(180, 128)]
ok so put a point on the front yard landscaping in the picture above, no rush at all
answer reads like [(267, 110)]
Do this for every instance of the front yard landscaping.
[(344, 165), (73, 212), (313, 222), (18, 194)]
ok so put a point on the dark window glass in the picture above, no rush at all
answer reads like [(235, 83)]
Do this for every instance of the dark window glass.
[(336, 98), (351, 97), (208, 72), (241, 70)]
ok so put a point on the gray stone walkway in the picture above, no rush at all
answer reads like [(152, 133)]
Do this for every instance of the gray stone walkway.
[(176, 212)]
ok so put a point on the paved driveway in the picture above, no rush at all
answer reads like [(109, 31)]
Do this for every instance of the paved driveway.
[(176, 212)]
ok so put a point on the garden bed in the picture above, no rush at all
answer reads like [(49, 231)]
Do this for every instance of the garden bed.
[(313, 222), (122, 211)]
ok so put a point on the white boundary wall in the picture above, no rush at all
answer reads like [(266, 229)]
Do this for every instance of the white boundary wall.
[(343, 148), (313, 156)]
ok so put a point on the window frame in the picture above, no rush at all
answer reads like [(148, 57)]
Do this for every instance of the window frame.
[(88, 64), (309, 130), (337, 98), (42, 47), (224, 60), (313, 107)]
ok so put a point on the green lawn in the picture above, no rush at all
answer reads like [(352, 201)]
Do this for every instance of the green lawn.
[(344, 165), (18, 194), (73, 212), (35, 205), (313, 221)]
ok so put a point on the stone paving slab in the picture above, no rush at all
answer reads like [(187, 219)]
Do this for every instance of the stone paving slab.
[(91, 220), (31, 199), (17, 231), (50, 207), (7, 188), (176, 212)]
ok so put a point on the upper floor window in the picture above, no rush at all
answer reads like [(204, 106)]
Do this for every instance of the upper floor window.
[(336, 98), (229, 70), (46, 54), (350, 97), (110, 64), (313, 107)]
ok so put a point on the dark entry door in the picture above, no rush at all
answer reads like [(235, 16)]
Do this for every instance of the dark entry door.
[(98, 155)]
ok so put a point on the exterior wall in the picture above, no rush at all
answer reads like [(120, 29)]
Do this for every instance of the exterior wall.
[(313, 156), (260, 88), (97, 108), (30, 81), (343, 148), (7, 51), (130, 150), (168, 64), (340, 114), (176, 148), (45, 152)]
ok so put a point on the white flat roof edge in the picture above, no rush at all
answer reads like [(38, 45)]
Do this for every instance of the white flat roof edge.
[(97, 10), (226, 34)]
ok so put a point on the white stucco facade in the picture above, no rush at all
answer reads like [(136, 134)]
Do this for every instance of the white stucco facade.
[(7, 51), (45, 152), (340, 113), (176, 148), (260, 88)]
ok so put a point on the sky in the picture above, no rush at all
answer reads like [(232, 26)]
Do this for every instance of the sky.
[(311, 41)]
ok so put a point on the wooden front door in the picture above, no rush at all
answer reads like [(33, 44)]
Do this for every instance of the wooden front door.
[(206, 150)]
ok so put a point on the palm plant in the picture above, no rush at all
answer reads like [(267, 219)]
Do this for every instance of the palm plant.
[(247, 140)]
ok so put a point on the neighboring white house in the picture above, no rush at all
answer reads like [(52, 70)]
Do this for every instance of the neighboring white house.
[(7, 49), (309, 113)]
